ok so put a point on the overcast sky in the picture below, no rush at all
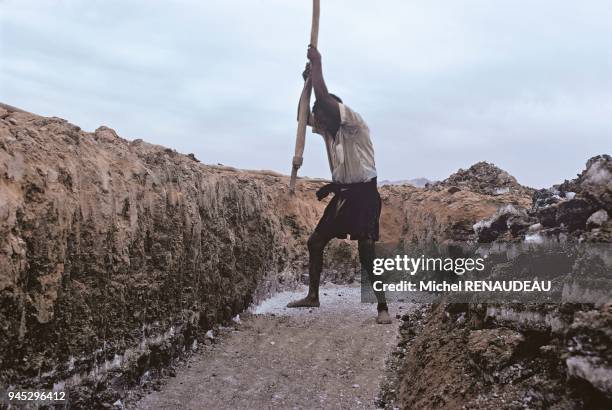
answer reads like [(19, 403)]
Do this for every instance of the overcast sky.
[(524, 84)]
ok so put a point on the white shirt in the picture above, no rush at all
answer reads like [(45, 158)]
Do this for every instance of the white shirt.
[(350, 152)]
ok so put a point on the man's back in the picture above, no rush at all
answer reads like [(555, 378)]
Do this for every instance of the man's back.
[(350, 152)]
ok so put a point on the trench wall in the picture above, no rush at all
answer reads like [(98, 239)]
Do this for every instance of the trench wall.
[(116, 255)]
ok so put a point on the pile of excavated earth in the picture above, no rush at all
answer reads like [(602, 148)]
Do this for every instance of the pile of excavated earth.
[(117, 257), (535, 355), (579, 209), (484, 178)]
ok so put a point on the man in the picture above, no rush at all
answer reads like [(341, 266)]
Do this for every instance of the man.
[(355, 207)]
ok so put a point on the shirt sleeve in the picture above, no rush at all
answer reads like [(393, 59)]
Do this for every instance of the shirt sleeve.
[(349, 117)]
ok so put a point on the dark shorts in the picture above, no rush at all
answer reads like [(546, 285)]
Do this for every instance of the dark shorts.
[(354, 210)]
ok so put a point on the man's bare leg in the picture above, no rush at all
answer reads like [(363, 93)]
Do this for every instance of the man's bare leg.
[(366, 257), (316, 245)]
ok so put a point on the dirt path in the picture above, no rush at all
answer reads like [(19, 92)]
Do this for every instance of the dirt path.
[(331, 358)]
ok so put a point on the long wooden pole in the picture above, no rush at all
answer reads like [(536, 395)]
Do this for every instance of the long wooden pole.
[(304, 105)]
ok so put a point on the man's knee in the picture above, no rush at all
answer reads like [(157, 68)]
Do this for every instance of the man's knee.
[(366, 249), (366, 245)]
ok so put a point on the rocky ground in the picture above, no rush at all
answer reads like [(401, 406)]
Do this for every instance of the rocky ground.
[(117, 258), (447, 359), (326, 358)]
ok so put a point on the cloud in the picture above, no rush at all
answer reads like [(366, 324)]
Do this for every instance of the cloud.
[(442, 85)]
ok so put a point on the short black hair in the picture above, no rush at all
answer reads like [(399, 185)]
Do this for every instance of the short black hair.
[(316, 103)]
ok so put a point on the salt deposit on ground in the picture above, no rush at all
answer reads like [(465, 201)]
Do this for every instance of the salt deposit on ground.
[(333, 298)]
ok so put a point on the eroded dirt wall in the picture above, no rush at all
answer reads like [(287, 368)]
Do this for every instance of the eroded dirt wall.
[(115, 255)]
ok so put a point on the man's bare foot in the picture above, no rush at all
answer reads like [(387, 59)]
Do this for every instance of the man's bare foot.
[(383, 317), (308, 301)]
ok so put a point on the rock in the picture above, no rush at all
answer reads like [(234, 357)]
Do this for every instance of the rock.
[(534, 228), (545, 197), (589, 340), (518, 224), (453, 189), (598, 171), (193, 157), (591, 370), (505, 218), (549, 351), (492, 349), (597, 219), (501, 191), (547, 216), (574, 213), (567, 207), (105, 134)]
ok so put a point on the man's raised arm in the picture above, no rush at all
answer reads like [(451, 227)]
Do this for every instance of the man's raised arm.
[(326, 101)]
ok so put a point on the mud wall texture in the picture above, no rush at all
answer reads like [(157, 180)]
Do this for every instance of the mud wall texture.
[(115, 255)]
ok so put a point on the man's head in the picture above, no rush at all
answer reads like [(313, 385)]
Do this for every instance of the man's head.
[(321, 118)]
